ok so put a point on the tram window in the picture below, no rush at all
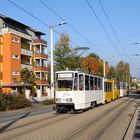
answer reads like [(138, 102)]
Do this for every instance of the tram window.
[(64, 84), (96, 83), (91, 83), (117, 85), (76, 82), (86, 82), (81, 82), (124, 86), (100, 83), (105, 86), (110, 86)]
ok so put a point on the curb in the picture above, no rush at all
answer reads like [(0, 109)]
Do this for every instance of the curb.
[(131, 129)]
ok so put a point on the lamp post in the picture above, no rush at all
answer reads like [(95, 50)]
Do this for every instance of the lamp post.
[(52, 66), (104, 72)]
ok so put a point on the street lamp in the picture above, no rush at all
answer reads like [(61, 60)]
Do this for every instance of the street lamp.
[(51, 46)]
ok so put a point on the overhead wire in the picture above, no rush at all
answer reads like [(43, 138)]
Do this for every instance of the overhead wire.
[(115, 33), (35, 17), (103, 27), (73, 28)]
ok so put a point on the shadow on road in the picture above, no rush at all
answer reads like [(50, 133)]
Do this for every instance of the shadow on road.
[(2, 129)]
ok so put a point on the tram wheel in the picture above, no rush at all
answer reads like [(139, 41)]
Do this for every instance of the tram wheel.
[(93, 104)]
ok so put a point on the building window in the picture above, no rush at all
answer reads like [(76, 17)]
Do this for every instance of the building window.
[(15, 56), (16, 40), (15, 73)]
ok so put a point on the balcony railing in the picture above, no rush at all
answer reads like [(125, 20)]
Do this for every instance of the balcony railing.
[(26, 52), (41, 55), (29, 67), (37, 68), (38, 82), (39, 41), (16, 32)]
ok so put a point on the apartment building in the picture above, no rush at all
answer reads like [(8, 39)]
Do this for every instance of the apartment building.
[(21, 47)]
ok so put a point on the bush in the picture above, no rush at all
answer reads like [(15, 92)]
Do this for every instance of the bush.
[(5, 101), (8, 101), (20, 102), (48, 102)]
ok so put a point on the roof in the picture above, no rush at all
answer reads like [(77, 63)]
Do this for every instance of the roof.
[(8, 19)]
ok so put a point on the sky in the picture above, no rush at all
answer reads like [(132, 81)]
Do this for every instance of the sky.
[(87, 25)]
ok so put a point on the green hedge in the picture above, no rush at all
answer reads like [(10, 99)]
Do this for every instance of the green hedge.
[(10, 102)]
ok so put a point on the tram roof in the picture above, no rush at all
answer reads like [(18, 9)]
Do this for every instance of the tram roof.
[(67, 71)]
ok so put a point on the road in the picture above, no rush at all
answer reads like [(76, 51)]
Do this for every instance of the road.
[(15, 115), (106, 122)]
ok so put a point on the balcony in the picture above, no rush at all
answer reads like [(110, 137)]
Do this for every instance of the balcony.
[(29, 67), (26, 52), (39, 41), (41, 82), (16, 32), (38, 55), (37, 68)]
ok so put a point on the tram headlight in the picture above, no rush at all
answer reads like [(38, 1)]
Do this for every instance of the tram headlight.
[(69, 99), (58, 99)]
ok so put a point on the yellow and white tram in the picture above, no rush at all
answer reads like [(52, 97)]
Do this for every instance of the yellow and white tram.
[(76, 90), (116, 89), (109, 90)]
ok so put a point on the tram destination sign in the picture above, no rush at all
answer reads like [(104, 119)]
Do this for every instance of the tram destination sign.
[(65, 75)]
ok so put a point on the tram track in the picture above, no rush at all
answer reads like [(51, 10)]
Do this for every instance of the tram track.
[(119, 113), (26, 124), (31, 126), (81, 130), (56, 119), (30, 123)]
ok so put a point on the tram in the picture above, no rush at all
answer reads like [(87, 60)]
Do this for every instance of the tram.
[(123, 89), (109, 90), (116, 89), (76, 90), (138, 88)]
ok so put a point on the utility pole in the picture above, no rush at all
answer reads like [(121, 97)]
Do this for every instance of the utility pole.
[(52, 66)]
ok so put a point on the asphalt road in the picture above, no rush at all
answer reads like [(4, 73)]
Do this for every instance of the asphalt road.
[(106, 122), (20, 114)]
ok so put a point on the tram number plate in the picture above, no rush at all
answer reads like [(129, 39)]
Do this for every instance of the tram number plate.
[(63, 100), (66, 94)]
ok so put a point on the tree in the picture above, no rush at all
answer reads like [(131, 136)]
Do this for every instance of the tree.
[(122, 71), (28, 78), (64, 55), (91, 64), (107, 69), (112, 72)]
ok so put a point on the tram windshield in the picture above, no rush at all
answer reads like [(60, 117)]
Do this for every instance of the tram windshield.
[(64, 85), (138, 86)]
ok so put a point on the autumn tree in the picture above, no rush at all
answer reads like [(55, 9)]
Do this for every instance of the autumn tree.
[(64, 55), (112, 72), (122, 71), (91, 64)]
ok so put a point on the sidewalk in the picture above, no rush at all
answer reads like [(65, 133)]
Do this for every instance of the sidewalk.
[(136, 134), (133, 132)]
